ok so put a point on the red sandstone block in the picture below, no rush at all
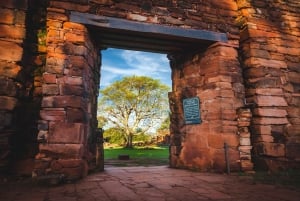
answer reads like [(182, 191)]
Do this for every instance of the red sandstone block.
[(10, 51), (270, 149), (267, 112), (13, 32), (294, 77), (50, 89), (53, 115), (53, 24), (227, 94), (70, 133), (8, 87), (56, 16), (224, 4), (70, 6), (49, 78), (293, 130), (270, 101), (10, 70), (259, 63), (77, 61), (254, 33), (260, 129), (289, 50), (66, 89), (270, 121), (64, 151), (71, 163), (293, 151), (220, 78), (20, 4), (259, 53), (73, 49), (73, 26), (68, 101), (262, 138), (48, 101), (75, 115), (75, 38), (7, 16), (7, 103), (293, 112), (54, 69), (269, 91), (245, 141), (70, 80)]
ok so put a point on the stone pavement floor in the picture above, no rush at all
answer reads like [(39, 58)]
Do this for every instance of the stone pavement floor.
[(158, 183)]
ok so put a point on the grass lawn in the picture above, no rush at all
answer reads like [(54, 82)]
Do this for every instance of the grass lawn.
[(139, 156)]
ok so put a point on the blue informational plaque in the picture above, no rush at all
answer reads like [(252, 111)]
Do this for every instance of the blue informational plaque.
[(191, 110)]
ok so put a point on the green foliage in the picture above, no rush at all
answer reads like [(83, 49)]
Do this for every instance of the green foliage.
[(143, 152), (165, 124), (141, 137), (135, 105), (114, 136)]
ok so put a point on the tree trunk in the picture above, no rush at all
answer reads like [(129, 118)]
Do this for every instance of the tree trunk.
[(129, 141)]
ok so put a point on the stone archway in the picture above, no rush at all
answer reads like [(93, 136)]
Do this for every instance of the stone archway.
[(49, 79), (203, 65)]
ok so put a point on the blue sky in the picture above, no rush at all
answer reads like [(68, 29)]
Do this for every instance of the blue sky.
[(117, 63)]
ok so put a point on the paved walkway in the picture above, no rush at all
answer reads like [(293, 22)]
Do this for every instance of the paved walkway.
[(150, 184)]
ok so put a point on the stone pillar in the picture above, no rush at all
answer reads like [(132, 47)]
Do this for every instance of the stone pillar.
[(270, 51), (215, 77), (12, 35), (70, 90)]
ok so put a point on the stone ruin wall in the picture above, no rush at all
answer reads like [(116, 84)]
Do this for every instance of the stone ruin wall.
[(270, 54), (260, 63)]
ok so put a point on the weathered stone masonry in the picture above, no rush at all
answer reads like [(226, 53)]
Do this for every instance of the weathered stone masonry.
[(248, 87)]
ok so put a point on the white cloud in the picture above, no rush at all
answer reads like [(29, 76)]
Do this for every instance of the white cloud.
[(119, 63)]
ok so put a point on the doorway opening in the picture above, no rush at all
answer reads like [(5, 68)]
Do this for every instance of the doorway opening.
[(150, 140)]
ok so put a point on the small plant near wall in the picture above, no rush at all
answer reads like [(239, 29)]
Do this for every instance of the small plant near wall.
[(41, 35)]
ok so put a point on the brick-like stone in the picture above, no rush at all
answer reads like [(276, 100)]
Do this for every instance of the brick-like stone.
[(269, 112), (7, 16), (7, 103), (7, 87), (69, 133), (270, 101), (63, 151), (10, 51), (269, 91), (270, 149), (261, 63), (66, 89), (13, 32), (10, 70), (75, 115), (68, 101), (70, 80), (53, 115), (270, 120), (50, 89), (70, 6), (293, 130), (262, 129), (49, 78)]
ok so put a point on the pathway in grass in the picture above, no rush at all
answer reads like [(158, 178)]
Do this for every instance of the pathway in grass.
[(138, 156)]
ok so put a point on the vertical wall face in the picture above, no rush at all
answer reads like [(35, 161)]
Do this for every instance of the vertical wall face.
[(12, 34), (70, 90), (270, 46), (215, 77), (51, 65), (21, 61)]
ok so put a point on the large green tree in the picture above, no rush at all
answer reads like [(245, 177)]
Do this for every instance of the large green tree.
[(135, 105)]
